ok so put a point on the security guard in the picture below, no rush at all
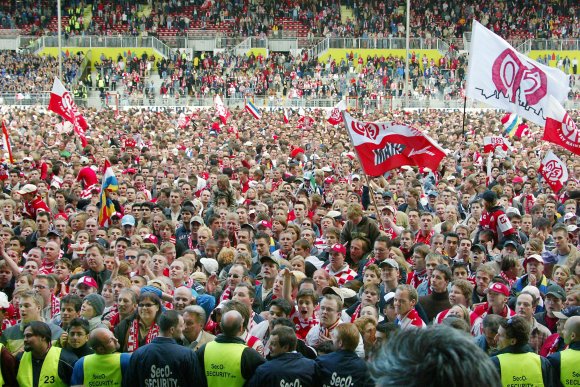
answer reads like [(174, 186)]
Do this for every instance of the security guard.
[(106, 366), (566, 364), (516, 362), (41, 363), (227, 361)]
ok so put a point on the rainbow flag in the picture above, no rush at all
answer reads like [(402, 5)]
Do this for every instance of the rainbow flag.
[(109, 184), (510, 122)]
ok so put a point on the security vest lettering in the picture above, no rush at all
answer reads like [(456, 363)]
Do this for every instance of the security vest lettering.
[(102, 370), (521, 370), (570, 367), (223, 364), (48, 372)]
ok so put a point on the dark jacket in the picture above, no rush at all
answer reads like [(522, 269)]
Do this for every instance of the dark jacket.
[(290, 368), (251, 359), (163, 353), (339, 366), (365, 228)]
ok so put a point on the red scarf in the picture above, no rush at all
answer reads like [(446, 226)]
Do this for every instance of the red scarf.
[(133, 336), (356, 313), (327, 331), (226, 295), (54, 305)]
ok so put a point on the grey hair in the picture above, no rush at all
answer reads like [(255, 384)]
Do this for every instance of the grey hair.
[(436, 356)]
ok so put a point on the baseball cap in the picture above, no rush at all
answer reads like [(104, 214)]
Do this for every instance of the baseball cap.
[(569, 215), (389, 297), (338, 248), (264, 223), (197, 219), (269, 259), (332, 290), (326, 169), (478, 246), (500, 288), (355, 176), (433, 193), (489, 196), (572, 228), (568, 312), (556, 291), (54, 232), (87, 281), (389, 262), (387, 194), (128, 220), (247, 225), (534, 257), (28, 188), (510, 243), (517, 179), (4, 304), (390, 208), (451, 177), (334, 214), (209, 264)]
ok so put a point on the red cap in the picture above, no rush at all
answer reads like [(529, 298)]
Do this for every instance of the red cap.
[(295, 152), (264, 223), (338, 248), (517, 179), (500, 288), (88, 281)]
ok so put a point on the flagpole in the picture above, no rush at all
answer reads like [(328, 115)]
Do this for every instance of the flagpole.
[(371, 193), (464, 109), (406, 88), (59, 21)]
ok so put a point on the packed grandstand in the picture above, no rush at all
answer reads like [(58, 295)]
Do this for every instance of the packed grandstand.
[(205, 192)]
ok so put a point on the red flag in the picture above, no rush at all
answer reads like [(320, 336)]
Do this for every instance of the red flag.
[(382, 146), (560, 128), (492, 142), (221, 109), (523, 130), (183, 120), (334, 115), (62, 103), (6, 142), (554, 171), (286, 116), (305, 122)]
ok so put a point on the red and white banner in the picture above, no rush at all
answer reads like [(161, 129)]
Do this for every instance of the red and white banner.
[(382, 146), (62, 103), (334, 116), (286, 116), (6, 142), (221, 109), (183, 120), (492, 142), (554, 171), (560, 128), (502, 77)]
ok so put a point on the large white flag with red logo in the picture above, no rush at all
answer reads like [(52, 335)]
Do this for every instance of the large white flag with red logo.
[(221, 109), (560, 128), (62, 103), (554, 171), (382, 146), (492, 142), (502, 77), (334, 115)]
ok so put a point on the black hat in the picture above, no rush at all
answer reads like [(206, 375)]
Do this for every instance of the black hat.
[(489, 196)]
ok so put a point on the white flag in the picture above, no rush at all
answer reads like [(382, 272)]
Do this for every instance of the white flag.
[(554, 171), (502, 77)]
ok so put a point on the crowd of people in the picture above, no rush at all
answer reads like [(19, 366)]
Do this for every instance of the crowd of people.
[(370, 19), (262, 244), (27, 73)]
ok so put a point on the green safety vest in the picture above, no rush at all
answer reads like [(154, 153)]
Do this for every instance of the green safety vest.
[(521, 369), (570, 367), (48, 373), (102, 370), (223, 364), (1, 377)]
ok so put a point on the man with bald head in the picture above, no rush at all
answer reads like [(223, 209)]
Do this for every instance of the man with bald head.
[(106, 365), (182, 297), (227, 360), (565, 364)]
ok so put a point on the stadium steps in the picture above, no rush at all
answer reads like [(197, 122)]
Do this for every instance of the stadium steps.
[(345, 14)]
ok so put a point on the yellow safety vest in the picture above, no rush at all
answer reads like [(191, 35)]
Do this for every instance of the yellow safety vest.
[(223, 364), (48, 373), (570, 367), (521, 369), (102, 370)]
